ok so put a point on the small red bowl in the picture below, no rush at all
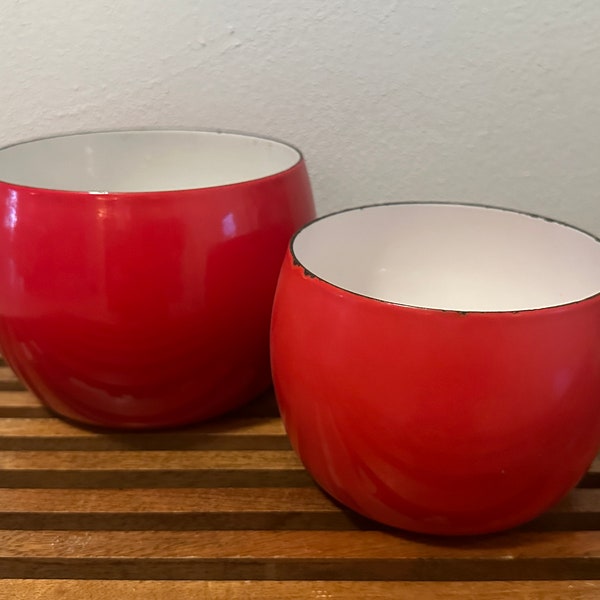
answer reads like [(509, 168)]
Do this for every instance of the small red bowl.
[(137, 269), (438, 366)]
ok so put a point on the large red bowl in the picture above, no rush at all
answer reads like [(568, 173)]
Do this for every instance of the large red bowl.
[(438, 366), (137, 269)]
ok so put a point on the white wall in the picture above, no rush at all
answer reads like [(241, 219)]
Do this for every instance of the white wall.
[(485, 101)]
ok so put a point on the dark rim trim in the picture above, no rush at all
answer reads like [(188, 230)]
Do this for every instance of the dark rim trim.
[(151, 130), (312, 275)]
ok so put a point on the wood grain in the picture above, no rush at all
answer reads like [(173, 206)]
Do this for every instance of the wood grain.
[(224, 509), (129, 469), (21, 403), (8, 380), (19, 589), (289, 555), (187, 509), (305, 508)]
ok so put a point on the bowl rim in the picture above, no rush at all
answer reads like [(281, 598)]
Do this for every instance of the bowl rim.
[(545, 309), (108, 194)]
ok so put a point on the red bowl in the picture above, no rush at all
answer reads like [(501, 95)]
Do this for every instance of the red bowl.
[(438, 366), (137, 269)]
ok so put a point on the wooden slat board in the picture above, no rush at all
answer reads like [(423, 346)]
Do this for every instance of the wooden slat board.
[(226, 510)]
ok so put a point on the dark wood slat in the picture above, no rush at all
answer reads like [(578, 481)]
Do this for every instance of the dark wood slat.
[(19, 589), (290, 555)]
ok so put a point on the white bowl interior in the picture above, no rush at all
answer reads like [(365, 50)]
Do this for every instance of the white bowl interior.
[(143, 161), (452, 257)]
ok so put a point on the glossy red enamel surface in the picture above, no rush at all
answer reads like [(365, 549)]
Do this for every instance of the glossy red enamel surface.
[(145, 310), (436, 421)]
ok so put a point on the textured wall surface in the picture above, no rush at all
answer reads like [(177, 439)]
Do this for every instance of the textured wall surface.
[(466, 100)]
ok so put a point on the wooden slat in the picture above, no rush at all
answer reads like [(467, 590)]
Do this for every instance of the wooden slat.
[(592, 478), (289, 555), (19, 589), (579, 510), (159, 461), (131, 469), (174, 509), (226, 508), (21, 403), (8, 380)]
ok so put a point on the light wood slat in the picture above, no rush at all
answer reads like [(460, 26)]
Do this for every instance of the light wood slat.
[(36, 428), (183, 500), (21, 403), (19, 589), (287, 545), (222, 434), (134, 469), (149, 461), (226, 508), (7, 374), (288, 555), (175, 509), (592, 478), (580, 509), (212, 500), (208, 468)]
